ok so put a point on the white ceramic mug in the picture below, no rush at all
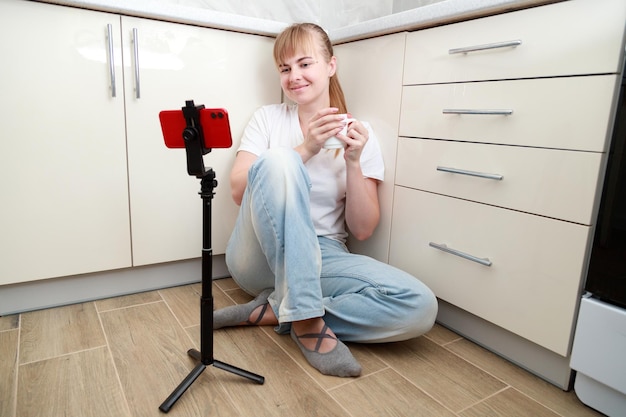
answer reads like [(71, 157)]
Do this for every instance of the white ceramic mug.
[(333, 142)]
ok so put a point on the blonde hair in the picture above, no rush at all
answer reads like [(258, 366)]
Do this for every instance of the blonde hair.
[(303, 37)]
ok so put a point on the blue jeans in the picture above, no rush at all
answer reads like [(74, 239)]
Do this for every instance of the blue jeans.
[(274, 245)]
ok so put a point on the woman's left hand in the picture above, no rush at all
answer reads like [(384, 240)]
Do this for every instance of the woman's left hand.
[(356, 137)]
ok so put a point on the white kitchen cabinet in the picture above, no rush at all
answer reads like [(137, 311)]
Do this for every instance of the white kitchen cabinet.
[(176, 63), (501, 154), (541, 41), (522, 272), (443, 111), (63, 148), (514, 177), (370, 72), (88, 183)]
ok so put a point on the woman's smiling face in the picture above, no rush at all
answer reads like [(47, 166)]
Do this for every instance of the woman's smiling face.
[(305, 77)]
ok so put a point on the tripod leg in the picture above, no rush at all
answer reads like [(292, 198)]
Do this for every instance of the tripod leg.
[(180, 389), (238, 371), (195, 354)]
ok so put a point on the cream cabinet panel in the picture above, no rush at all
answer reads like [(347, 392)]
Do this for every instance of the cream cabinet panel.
[(63, 149), (175, 63), (561, 113), (373, 93), (548, 182), (555, 40), (532, 285)]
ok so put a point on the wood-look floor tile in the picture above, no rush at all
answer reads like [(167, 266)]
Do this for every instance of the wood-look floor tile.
[(441, 335), (8, 372), (9, 322), (566, 404), (449, 379), (150, 352), (80, 384), (288, 390), (59, 331), (508, 403), (387, 393), (128, 300), (226, 284), (185, 304)]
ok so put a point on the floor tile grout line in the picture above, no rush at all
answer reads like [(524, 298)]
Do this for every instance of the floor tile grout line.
[(518, 389), (476, 365), (537, 401), (428, 394), (16, 378), (112, 359), (63, 355), (484, 399), (389, 366), (130, 306)]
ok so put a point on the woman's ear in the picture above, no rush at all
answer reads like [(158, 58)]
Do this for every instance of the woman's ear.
[(332, 66)]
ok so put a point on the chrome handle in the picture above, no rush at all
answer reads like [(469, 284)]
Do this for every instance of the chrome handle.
[(136, 53), (505, 44), (496, 112), (442, 247), (111, 61), (471, 173)]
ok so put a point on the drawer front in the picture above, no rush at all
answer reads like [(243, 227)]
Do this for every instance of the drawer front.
[(562, 113), (548, 182), (532, 285), (569, 38)]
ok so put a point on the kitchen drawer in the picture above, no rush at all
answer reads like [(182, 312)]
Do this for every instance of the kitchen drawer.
[(532, 285), (548, 182), (562, 113), (569, 38)]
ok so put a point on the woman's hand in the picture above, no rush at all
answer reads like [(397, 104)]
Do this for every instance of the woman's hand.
[(320, 127), (355, 138)]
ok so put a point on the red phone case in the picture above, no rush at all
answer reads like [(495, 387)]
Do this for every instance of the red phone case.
[(214, 122)]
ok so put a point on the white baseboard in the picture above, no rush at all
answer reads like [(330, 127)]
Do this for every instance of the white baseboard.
[(36, 295)]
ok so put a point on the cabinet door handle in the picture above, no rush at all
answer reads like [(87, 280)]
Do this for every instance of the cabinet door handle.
[(111, 61), (136, 55), (471, 173), (496, 45), (442, 247), (494, 112)]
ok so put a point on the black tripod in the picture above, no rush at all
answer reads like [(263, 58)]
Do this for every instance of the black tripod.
[(195, 147)]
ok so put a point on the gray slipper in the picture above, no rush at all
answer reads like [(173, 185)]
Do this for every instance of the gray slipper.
[(237, 314), (337, 362)]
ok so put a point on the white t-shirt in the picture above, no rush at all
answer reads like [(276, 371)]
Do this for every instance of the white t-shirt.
[(277, 125)]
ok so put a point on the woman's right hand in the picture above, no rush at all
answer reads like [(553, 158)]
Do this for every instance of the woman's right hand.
[(323, 125)]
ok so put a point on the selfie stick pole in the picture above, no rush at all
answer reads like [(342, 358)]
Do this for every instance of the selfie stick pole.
[(194, 145)]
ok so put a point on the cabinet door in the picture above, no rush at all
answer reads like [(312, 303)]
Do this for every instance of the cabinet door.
[(370, 72), (507, 267), (63, 150), (175, 63), (567, 38)]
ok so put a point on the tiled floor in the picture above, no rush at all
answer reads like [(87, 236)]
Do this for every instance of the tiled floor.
[(122, 357)]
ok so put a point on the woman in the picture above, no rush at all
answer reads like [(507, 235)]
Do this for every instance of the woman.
[(288, 244)]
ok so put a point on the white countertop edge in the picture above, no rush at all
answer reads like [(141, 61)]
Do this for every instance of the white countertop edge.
[(180, 14), (427, 16)]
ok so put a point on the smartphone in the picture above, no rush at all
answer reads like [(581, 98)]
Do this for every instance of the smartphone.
[(214, 122)]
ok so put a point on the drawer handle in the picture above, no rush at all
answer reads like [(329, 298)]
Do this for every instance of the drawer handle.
[(136, 56), (496, 112), (442, 247), (496, 45), (111, 63), (471, 173)]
